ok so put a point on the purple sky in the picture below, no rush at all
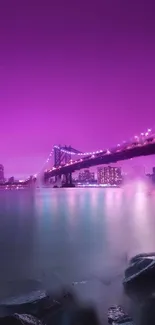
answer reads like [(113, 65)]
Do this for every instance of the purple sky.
[(73, 72)]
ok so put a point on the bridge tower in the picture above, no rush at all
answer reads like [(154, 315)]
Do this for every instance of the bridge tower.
[(62, 155)]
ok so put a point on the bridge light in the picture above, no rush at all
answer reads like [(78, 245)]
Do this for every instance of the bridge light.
[(142, 133), (149, 130), (146, 134)]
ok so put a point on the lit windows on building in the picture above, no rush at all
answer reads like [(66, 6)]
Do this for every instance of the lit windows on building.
[(86, 176), (109, 175)]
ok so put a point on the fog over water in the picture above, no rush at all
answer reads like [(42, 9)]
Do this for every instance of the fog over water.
[(52, 237)]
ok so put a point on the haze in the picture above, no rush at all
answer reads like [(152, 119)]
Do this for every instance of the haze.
[(73, 72)]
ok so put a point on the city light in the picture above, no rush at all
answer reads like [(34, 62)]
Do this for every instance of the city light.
[(109, 175), (140, 140), (95, 185)]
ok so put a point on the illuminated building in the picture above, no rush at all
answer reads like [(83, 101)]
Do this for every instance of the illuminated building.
[(86, 176), (92, 176), (109, 175), (80, 178), (2, 174)]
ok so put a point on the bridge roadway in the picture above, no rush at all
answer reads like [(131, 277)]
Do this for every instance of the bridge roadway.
[(104, 158)]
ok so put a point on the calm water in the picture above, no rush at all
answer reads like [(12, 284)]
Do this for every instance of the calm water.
[(53, 237)]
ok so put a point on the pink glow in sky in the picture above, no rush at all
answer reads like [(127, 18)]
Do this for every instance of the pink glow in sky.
[(73, 72)]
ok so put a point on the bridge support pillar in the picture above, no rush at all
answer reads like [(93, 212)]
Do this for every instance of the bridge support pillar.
[(58, 178), (68, 180)]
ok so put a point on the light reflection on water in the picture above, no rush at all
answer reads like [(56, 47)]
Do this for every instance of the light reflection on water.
[(52, 237)]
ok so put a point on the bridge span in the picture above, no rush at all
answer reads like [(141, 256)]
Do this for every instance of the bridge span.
[(106, 157)]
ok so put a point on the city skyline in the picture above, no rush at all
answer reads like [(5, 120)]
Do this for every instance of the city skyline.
[(75, 76), (107, 174)]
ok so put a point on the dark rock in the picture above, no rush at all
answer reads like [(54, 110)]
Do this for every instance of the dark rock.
[(142, 265)]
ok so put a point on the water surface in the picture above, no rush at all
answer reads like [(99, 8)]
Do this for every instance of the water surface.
[(52, 237)]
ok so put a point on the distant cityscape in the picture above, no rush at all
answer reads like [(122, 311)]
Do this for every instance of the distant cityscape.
[(3, 180), (63, 171), (12, 183), (109, 176), (104, 176)]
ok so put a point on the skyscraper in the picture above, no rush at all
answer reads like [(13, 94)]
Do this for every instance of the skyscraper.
[(100, 175), (1, 174), (109, 175)]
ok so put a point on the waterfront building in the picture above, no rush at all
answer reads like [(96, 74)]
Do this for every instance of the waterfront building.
[(109, 175), (86, 176)]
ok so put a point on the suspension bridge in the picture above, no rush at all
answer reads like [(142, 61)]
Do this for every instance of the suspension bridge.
[(66, 159), (64, 164)]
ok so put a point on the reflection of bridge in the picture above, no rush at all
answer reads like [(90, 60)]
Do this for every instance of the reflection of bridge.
[(64, 165)]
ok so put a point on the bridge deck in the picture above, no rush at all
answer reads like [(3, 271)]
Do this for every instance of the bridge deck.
[(105, 158)]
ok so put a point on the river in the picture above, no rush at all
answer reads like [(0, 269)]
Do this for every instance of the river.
[(52, 237)]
